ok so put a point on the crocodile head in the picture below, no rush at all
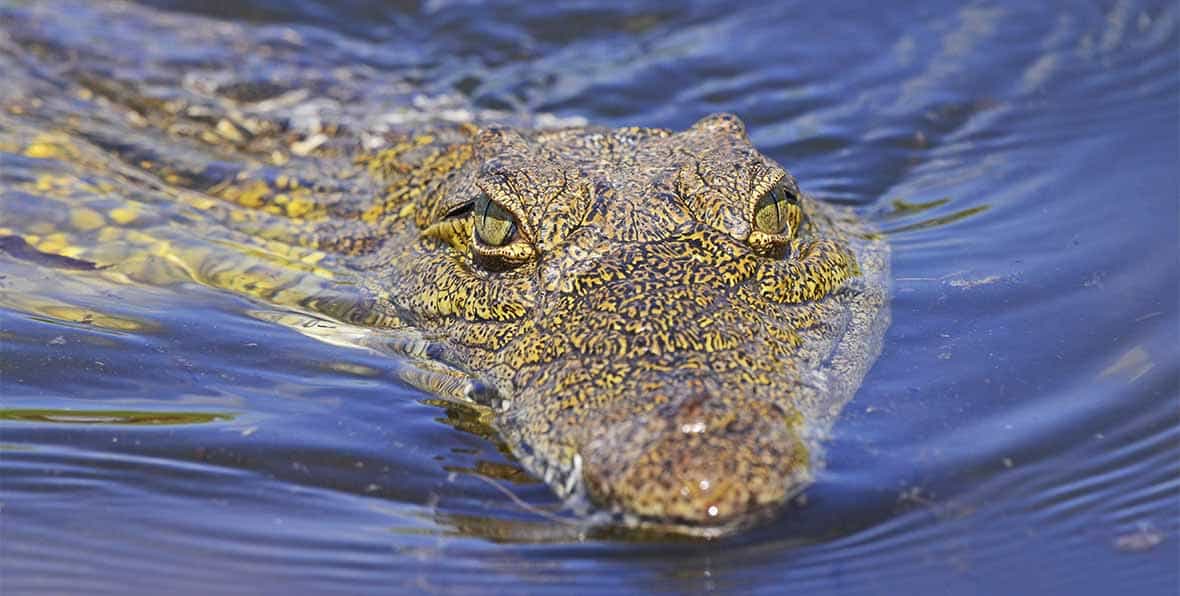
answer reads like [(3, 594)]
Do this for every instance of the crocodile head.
[(659, 312)]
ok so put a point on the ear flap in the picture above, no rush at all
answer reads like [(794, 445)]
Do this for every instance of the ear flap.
[(722, 123), (489, 136), (490, 142)]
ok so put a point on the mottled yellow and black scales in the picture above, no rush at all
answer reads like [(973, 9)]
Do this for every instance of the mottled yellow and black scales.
[(669, 323)]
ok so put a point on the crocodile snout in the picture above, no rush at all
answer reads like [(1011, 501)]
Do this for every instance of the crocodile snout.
[(705, 461)]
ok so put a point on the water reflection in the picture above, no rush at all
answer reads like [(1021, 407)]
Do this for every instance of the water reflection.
[(119, 417)]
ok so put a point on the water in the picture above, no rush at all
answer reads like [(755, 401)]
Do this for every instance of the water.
[(1020, 433)]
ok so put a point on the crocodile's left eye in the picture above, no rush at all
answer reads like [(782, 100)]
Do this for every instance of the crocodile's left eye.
[(772, 212), (494, 225)]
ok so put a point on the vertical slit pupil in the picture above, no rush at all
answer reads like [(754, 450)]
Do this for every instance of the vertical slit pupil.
[(500, 220), (487, 205), (779, 197)]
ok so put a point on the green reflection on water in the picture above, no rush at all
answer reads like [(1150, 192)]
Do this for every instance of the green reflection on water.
[(935, 222), (902, 207), (141, 418)]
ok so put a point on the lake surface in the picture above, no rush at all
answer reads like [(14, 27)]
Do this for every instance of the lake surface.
[(1019, 434)]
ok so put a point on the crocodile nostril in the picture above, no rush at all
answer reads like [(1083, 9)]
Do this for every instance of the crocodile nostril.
[(693, 405)]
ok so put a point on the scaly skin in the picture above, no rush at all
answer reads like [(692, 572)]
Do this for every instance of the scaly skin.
[(649, 347), (652, 353)]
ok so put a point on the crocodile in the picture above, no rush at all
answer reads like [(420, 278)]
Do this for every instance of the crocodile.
[(659, 324)]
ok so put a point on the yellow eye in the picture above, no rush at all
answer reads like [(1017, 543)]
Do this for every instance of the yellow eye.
[(494, 225), (772, 211)]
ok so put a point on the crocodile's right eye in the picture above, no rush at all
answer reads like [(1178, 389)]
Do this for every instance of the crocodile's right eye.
[(498, 241), (494, 225)]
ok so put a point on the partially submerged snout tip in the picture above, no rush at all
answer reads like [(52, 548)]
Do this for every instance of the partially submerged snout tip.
[(704, 465)]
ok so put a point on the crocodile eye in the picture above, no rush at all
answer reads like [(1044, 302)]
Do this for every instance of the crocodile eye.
[(771, 212), (494, 225)]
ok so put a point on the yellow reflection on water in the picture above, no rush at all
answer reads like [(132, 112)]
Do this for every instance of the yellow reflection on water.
[(139, 418)]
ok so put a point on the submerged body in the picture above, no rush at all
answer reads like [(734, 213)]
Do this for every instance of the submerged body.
[(659, 324)]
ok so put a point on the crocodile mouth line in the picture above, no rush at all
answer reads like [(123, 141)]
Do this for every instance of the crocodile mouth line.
[(569, 486)]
